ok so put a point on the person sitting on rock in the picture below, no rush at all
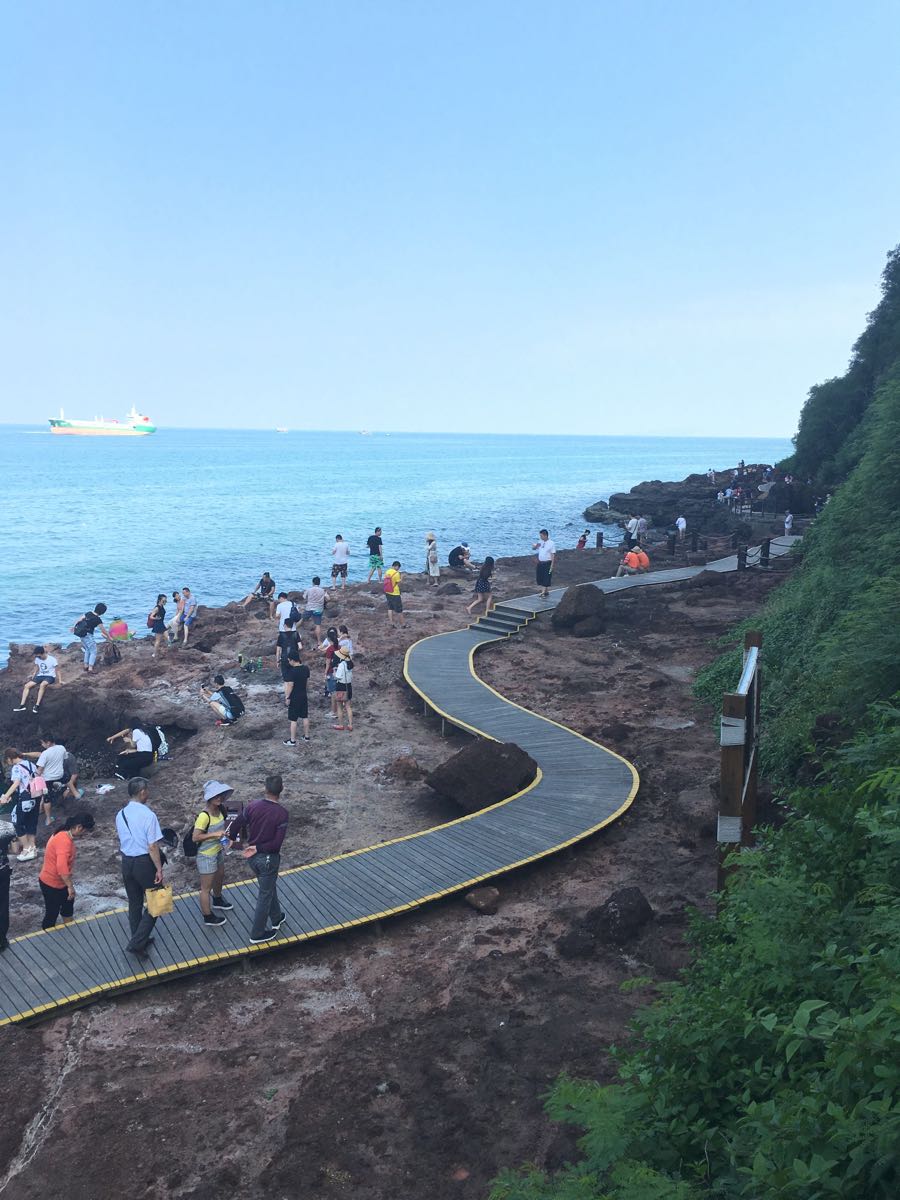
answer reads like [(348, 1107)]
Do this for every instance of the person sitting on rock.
[(459, 556), (630, 564), (118, 630), (264, 590), (223, 701), (46, 673), (643, 559), (137, 752)]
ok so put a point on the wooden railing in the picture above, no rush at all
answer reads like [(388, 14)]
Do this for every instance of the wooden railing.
[(739, 740)]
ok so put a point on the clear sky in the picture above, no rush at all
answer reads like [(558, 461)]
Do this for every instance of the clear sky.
[(491, 215)]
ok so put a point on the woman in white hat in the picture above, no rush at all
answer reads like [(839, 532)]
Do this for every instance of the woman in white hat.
[(432, 566), (209, 836)]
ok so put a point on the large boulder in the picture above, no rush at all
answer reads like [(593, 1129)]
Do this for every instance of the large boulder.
[(483, 773), (621, 918), (601, 514), (581, 602)]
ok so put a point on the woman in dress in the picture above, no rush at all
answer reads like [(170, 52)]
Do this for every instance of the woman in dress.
[(432, 566), (156, 619), (483, 587)]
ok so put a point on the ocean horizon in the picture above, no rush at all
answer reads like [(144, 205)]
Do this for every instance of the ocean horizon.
[(120, 519)]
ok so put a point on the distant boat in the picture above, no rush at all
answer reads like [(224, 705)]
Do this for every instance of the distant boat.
[(364, 433), (281, 429), (134, 425)]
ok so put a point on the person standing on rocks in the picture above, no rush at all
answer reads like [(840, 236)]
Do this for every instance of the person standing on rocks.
[(392, 582), (209, 836), (483, 587), (376, 554), (681, 526), (18, 804), (432, 566), (546, 557), (288, 615), (84, 629), (315, 598), (289, 645), (641, 530), (340, 552), (142, 865), (189, 612), (46, 673), (7, 837), (582, 542), (156, 622), (55, 878), (174, 627), (51, 765), (788, 524), (343, 693), (265, 822), (631, 530), (295, 692)]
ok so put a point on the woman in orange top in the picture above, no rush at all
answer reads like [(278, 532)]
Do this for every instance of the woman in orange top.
[(57, 886)]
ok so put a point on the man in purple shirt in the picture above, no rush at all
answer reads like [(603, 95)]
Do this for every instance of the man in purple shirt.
[(265, 822)]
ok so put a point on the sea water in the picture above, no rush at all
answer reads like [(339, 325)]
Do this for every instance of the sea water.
[(121, 519)]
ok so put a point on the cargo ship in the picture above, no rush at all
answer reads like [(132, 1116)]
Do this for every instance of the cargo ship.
[(134, 425)]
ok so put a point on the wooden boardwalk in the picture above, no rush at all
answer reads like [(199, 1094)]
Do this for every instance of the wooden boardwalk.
[(580, 787)]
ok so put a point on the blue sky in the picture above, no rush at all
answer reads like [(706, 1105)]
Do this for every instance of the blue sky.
[(600, 218)]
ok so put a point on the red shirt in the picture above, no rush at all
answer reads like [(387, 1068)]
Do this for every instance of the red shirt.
[(59, 859)]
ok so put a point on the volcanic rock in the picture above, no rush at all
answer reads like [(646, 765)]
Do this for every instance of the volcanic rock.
[(579, 603), (587, 627), (485, 900), (449, 589), (483, 773), (621, 918)]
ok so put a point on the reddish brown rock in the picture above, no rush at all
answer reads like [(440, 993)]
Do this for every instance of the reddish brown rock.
[(485, 900), (482, 774)]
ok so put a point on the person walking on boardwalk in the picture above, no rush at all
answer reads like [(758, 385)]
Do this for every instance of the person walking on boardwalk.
[(546, 557), (55, 879), (483, 587), (189, 613), (432, 565), (156, 623), (340, 552), (265, 822), (46, 673), (85, 628), (392, 582), (343, 690), (7, 837), (376, 554), (209, 836), (296, 696), (142, 865)]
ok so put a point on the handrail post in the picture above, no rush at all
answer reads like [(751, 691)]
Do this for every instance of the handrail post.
[(752, 638), (739, 769), (764, 548), (742, 558), (600, 540)]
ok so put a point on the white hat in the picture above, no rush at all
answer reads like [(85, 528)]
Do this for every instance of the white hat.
[(212, 789)]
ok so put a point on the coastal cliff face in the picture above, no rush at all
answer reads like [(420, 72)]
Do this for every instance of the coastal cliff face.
[(695, 499)]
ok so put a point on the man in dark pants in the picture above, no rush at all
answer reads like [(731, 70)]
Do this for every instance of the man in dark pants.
[(7, 836), (142, 865), (265, 822)]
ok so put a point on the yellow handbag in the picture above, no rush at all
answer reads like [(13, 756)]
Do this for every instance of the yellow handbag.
[(159, 900)]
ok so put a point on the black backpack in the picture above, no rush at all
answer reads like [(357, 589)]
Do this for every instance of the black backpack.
[(234, 702), (155, 737), (294, 615), (82, 627), (189, 847)]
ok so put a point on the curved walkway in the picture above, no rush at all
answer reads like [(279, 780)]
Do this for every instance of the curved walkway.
[(580, 787)]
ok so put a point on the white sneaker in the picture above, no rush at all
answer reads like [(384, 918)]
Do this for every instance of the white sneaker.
[(27, 855)]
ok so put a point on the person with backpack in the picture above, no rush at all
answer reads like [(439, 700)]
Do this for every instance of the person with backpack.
[(50, 765), (208, 842), (297, 698), (55, 878), (288, 615), (329, 649), (46, 673), (84, 629), (19, 802), (343, 693), (289, 646), (391, 588), (224, 701), (156, 623), (137, 753)]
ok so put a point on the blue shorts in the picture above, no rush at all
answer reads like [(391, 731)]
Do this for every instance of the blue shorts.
[(44, 679), (208, 864), (311, 615)]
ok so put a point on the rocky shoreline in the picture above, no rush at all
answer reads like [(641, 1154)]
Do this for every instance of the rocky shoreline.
[(398, 1061)]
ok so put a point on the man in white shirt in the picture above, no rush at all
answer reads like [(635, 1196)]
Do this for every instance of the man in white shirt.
[(681, 526), (283, 611), (631, 530), (189, 612), (51, 766), (788, 524), (137, 752), (142, 866), (340, 552), (546, 557), (46, 673)]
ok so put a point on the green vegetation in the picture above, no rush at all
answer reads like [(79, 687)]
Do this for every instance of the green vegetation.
[(770, 1069)]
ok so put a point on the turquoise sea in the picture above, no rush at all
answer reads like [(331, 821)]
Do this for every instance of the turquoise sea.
[(120, 519)]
